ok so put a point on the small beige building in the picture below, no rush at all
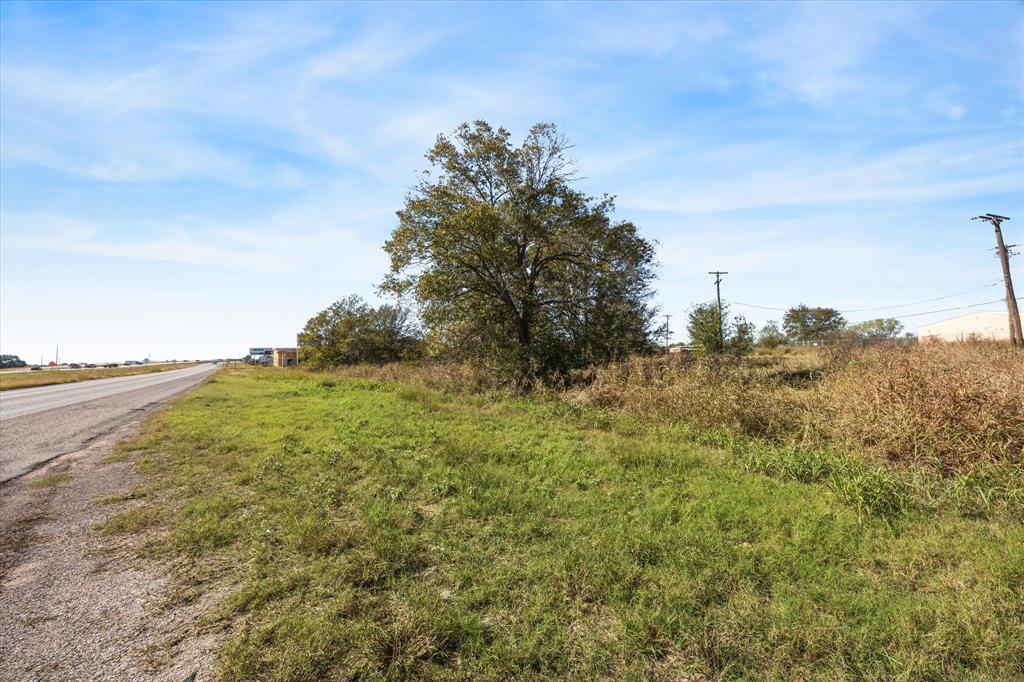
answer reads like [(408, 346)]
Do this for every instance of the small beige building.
[(988, 326), (286, 357)]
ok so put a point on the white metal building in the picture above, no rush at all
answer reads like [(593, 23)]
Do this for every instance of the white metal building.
[(989, 326)]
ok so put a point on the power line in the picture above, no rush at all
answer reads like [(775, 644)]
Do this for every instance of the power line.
[(751, 305), (927, 300), (885, 307), (946, 310)]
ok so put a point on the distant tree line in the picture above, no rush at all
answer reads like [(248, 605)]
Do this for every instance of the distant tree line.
[(349, 331), (801, 325), (11, 361)]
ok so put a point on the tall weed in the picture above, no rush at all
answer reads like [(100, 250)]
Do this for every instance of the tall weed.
[(950, 407)]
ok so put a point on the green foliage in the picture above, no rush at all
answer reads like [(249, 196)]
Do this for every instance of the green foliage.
[(11, 361), (804, 324), (372, 532), (770, 335), (704, 326), (349, 332), (132, 520), (513, 268), (741, 337), (875, 330), (708, 336)]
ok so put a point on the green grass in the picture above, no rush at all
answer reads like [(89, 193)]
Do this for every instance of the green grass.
[(46, 377), (390, 532), (131, 520)]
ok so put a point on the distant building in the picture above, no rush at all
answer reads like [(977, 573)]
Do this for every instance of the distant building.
[(286, 357), (988, 326)]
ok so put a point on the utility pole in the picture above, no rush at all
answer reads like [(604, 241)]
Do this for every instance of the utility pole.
[(57, 359), (668, 334), (718, 295), (1016, 335)]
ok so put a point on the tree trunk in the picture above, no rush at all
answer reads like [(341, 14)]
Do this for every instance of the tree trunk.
[(523, 332)]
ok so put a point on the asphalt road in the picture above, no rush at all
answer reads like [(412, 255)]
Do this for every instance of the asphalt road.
[(38, 424)]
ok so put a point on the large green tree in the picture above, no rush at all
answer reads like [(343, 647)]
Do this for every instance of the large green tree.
[(350, 331), (514, 267), (804, 324)]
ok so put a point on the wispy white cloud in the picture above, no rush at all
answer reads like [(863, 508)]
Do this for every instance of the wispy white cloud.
[(367, 56), (262, 247), (933, 171), (817, 50), (649, 30)]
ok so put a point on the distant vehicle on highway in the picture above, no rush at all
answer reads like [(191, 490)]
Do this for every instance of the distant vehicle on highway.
[(111, 365), (128, 363), (91, 365), (74, 365), (36, 368)]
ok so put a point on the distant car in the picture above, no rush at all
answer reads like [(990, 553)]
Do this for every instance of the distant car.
[(74, 365), (128, 363), (111, 365), (36, 368), (91, 365)]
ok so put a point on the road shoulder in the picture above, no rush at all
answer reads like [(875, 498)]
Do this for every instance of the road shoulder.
[(76, 603)]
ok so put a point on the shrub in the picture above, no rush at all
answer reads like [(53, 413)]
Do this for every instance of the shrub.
[(747, 397), (951, 405)]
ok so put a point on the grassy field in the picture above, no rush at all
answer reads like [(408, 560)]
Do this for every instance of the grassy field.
[(373, 530), (46, 377)]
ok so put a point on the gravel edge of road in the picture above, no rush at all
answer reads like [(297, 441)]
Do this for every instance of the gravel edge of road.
[(76, 604)]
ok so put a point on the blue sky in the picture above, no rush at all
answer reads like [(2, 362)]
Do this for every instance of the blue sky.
[(189, 180)]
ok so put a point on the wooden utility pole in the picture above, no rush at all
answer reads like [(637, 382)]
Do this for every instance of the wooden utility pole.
[(668, 334), (1016, 335), (718, 295)]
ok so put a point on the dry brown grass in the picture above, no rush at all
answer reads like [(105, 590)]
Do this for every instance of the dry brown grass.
[(951, 406), (752, 397), (440, 376), (954, 405)]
